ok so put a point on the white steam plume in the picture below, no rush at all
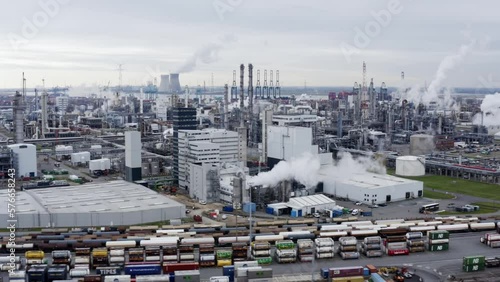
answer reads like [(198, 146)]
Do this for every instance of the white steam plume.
[(304, 170), (491, 109), (308, 171), (432, 93), (207, 54)]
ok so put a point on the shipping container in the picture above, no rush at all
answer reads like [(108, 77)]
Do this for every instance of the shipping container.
[(117, 278), (218, 279), (397, 252), (336, 272), (438, 247), (187, 276), (373, 240), (374, 253), (473, 267), (349, 255), (472, 260), (172, 267), (153, 278), (371, 268), (264, 260), (349, 279), (109, 270)]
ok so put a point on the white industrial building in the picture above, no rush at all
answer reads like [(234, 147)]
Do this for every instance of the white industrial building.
[(287, 142), (210, 146), (371, 188), (97, 204), (301, 206), (80, 158), (24, 160), (62, 103)]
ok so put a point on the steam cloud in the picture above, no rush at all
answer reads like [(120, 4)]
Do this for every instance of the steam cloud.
[(307, 170), (206, 55), (491, 109), (432, 93)]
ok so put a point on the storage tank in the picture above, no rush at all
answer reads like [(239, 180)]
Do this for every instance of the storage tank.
[(410, 166), (421, 144)]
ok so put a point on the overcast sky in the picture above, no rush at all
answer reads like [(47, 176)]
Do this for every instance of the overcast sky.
[(83, 42)]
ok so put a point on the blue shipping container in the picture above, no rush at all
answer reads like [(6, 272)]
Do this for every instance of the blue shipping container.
[(172, 277), (325, 272), (269, 210), (229, 272), (366, 272), (367, 213), (249, 206), (145, 269), (228, 209), (377, 278)]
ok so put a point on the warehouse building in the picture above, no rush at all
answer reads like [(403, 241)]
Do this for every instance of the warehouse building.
[(99, 204), (301, 206), (371, 188)]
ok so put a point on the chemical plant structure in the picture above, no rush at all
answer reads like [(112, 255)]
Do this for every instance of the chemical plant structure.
[(230, 144)]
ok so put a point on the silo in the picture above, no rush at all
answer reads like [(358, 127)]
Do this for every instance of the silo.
[(410, 166), (421, 144), (175, 85)]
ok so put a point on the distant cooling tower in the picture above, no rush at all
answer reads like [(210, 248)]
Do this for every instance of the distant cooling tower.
[(164, 84), (175, 85)]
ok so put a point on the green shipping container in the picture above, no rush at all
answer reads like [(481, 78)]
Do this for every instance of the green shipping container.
[(472, 268), (264, 260), (439, 247), (285, 245), (224, 254), (474, 260), (436, 235)]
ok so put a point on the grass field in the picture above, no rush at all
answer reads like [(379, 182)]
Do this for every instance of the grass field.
[(429, 193), (484, 207), (462, 186)]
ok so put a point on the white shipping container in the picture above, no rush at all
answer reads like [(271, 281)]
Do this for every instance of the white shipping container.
[(494, 244), (121, 244), (249, 263), (7, 267), (152, 278), (186, 256), (243, 271), (323, 242), (364, 232), (116, 253), (261, 252), (170, 258), (117, 259), (79, 272), (335, 228), (325, 249), (82, 260), (8, 259), (348, 241), (325, 255), (333, 234), (492, 236), (207, 257), (153, 258), (396, 245), (453, 227), (197, 241), (114, 278), (439, 241), (218, 279)]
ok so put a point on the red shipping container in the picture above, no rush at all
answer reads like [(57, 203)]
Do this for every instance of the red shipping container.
[(172, 267), (398, 252), (346, 271)]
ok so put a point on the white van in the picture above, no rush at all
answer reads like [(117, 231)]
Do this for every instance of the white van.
[(355, 212)]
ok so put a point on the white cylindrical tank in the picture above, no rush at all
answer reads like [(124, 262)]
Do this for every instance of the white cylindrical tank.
[(421, 144), (410, 166)]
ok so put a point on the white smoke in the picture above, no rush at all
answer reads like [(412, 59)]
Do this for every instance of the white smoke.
[(207, 54), (490, 106), (434, 93), (308, 171), (304, 170)]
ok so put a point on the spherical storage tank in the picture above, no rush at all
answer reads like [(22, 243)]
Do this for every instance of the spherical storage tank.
[(421, 144), (410, 166)]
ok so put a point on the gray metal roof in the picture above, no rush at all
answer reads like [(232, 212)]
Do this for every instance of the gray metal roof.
[(114, 196)]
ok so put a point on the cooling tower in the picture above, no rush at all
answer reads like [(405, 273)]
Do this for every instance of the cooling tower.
[(175, 85), (164, 84)]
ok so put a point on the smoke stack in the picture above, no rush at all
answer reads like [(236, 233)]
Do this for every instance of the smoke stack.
[(226, 106), (175, 85), (242, 86), (18, 118), (164, 84)]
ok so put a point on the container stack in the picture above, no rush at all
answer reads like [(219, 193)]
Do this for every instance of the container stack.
[(305, 247), (228, 271), (396, 246), (152, 254), (372, 247), (170, 254), (260, 275), (100, 257), (117, 257), (82, 257), (286, 251), (439, 240), (136, 255), (415, 242), (491, 239), (207, 255), (224, 257), (352, 274), (186, 253), (240, 251), (473, 263), (261, 252), (349, 248), (325, 247), (187, 276)]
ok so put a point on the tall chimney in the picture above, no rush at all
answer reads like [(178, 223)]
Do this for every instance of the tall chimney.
[(242, 88), (18, 118), (44, 114), (175, 84), (226, 107), (133, 160)]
